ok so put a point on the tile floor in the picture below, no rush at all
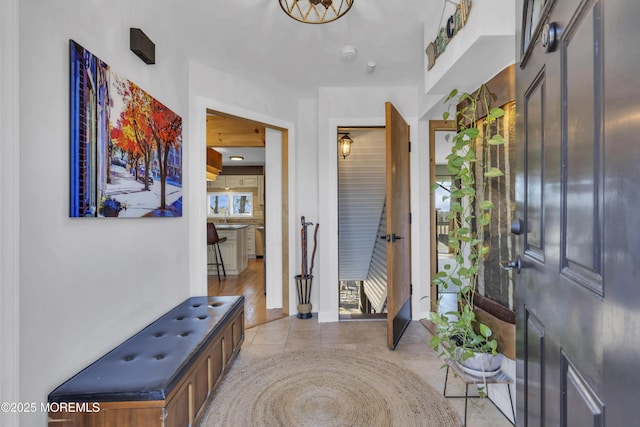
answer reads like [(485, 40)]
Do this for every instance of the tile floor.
[(413, 352)]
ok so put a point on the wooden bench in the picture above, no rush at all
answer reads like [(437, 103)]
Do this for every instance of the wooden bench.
[(162, 376)]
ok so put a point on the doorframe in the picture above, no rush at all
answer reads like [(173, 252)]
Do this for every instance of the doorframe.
[(197, 215), (328, 307), (362, 316), (434, 126)]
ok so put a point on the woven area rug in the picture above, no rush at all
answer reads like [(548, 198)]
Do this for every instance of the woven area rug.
[(326, 388)]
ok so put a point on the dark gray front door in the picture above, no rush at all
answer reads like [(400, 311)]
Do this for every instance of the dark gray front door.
[(578, 294)]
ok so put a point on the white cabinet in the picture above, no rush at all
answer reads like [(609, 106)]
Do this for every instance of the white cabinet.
[(261, 189), (241, 181), (234, 181), (234, 250), (251, 241), (220, 182)]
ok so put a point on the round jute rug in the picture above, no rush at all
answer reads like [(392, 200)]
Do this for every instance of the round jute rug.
[(326, 388)]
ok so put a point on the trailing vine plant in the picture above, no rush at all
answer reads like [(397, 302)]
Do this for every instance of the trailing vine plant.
[(458, 333)]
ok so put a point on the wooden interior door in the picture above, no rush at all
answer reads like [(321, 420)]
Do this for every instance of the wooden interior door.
[(398, 226), (577, 296)]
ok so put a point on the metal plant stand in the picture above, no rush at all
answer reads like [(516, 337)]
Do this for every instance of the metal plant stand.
[(468, 379)]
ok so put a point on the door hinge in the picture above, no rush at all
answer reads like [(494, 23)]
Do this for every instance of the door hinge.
[(409, 146), (410, 288), (410, 218)]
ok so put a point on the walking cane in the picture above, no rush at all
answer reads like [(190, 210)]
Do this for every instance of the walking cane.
[(303, 238), (313, 259), (303, 241)]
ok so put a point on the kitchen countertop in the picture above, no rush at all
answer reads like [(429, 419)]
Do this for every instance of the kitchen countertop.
[(231, 226)]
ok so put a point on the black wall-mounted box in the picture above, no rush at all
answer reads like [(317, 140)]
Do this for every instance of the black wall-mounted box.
[(140, 44)]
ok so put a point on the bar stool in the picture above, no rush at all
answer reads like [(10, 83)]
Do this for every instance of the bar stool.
[(213, 242)]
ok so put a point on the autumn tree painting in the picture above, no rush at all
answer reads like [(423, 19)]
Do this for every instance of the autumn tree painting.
[(126, 146)]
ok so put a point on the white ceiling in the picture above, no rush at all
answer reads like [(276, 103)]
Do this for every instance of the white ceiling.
[(256, 39), (253, 156)]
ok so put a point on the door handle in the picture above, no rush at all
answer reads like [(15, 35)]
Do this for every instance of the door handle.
[(517, 226), (391, 237), (510, 265), (550, 34)]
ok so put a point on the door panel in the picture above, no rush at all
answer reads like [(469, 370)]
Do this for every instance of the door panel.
[(577, 297), (398, 226), (534, 350), (580, 406), (582, 244), (534, 168)]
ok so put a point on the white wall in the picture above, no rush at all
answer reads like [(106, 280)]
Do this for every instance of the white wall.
[(86, 284), (9, 210), (310, 176)]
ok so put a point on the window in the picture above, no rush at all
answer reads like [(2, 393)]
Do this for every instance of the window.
[(230, 204), (443, 206)]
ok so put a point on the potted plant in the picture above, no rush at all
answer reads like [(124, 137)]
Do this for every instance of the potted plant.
[(458, 334), (111, 207)]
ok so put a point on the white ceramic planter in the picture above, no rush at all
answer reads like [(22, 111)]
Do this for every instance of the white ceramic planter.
[(482, 364)]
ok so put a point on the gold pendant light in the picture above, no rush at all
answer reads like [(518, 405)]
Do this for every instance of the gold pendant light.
[(315, 11)]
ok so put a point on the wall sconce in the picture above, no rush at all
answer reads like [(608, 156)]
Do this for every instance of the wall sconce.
[(142, 46), (344, 144)]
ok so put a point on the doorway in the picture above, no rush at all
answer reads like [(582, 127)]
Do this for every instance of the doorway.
[(362, 263), (243, 144)]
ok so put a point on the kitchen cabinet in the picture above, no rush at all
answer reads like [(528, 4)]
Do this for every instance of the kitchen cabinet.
[(234, 181), (251, 241), (241, 181), (220, 182), (261, 189), (259, 241)]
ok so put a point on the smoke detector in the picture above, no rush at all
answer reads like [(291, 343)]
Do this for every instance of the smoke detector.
[(348, 53)]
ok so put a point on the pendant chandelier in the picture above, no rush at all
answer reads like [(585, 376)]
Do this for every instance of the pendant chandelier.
[(315, 11)]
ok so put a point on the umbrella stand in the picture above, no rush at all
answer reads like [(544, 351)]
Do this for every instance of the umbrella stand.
[(303, 280)]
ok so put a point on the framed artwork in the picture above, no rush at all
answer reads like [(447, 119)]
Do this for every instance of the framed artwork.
[(126, 146)]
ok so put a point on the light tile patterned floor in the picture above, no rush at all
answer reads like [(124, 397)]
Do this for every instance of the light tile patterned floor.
[(413, 352)]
